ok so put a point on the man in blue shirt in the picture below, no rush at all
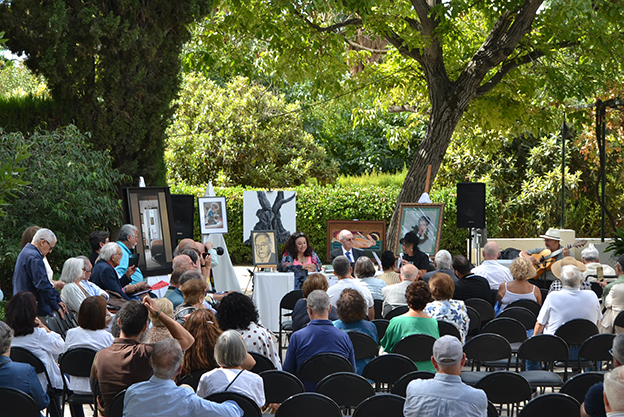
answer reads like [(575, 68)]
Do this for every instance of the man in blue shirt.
[(320, 336), (127, 240), (30, 274), (18, 375), (160, 396)]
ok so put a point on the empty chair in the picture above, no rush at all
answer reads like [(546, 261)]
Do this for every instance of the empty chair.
[(400, 387), (446, 327), (528, 304), (319, 366), (522, 314), (578, 385), (475, 322), (18, 403), (385, 370), (387, 405), (546, 349), (382, 325), (511, 329), (485, 347), (279, 385), (396, 312), (77, 362), (249, 406), (346, 389), (193, 378), (262, 363), (287, 302), (309, 404), (551, 405), (596, 349), (484, 308), (505, 388)]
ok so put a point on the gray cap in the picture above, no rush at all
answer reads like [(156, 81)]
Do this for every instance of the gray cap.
[(447, 350)]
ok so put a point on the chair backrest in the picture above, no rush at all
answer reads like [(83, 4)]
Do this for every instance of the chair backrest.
[(597, 347), (387, 405), (544, 348), (510, 328), (18, 403), (378, 309), (400, 387), (528, 304), (487, 347), (388, 369), (485, 309), (397, 311), (491, 410), (363, 345), (345, 388), (289, 300), (475, 321), (279, 385), (578, 385), (53, 324), (262, 363), (19, 354), (505, 387), (116, 406), (382, 326), (619, 320), (447, 328), (522, 314), (320, 365), (62, 322), (417, 347), (309, 404), (77, 362), (551, 405), (249, 406), (72, 319), (192, 379), (576, 331)]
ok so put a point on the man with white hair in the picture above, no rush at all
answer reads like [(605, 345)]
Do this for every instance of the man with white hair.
[(394, 295), (619, 270), (591, 258), (445, 395), (127, 240), (30, 274), (568, 304), (444, 263), (346, 239), (160, 396), (614, 392), (495, 273)]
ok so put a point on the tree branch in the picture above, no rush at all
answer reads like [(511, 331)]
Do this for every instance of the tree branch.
[(398, 42), (362, 47), (331, 28), (402, 109), (422, 10)]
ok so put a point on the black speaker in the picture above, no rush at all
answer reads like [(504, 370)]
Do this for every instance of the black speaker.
[(183, 208), (470, 204)]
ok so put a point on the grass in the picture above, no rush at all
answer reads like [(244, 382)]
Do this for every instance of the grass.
[(380, 179)]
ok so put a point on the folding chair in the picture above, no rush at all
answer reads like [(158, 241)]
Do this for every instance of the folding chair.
[(551, 405), (309, 404), (77, 363), (262, 363), (506, 388), (386, 370), (346, 389), (279, 385), (400, 387), (287, 302), (249, 406), (387, 405), (18, 403), (578, 385), (484, 308)]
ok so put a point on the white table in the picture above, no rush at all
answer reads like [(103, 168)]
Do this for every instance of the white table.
[(269, 288)]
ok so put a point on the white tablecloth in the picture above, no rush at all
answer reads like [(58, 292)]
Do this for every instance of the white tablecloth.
[(269, 288)]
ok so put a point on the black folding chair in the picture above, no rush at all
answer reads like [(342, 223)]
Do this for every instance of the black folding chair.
[(596, 350), (531, 305), (512, 330), (115, 409), (320, 365), (279, 385), (192, 379), (447, 328), (475, 322), (506, 388), (363, 345), (551, 405), (249, 406), (400, 387), (545, 349), (378, 309), (309, 404), (417, 347), (287, 302), (77, 363), (575, 332), (485, 347), (387, 405), (54, 325), (397, 311), (386, 370), (522, 314), (18, 403), (262, 363), (346, 389), (382, 325), (578, 385), (484, 308)]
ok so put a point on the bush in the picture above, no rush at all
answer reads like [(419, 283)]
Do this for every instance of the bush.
[(72, 191)]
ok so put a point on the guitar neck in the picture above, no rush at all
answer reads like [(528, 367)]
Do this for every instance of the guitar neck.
[(558, 251)]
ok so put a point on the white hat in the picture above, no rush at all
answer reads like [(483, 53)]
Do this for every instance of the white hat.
[(447, 350), (554, 234)]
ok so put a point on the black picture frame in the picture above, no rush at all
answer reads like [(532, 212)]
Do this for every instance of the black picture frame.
[(257, 241)]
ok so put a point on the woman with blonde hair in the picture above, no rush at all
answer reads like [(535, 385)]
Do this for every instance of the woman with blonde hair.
[(158, 331), (519, 289)]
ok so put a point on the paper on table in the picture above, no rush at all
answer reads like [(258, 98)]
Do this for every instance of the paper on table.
[(159, 285)]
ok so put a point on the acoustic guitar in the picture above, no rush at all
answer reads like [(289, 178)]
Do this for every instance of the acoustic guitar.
[(546, 258)]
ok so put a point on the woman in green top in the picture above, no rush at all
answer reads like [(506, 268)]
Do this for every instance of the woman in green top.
[(413, 322)]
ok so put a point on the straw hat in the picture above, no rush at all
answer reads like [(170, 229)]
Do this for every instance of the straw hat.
[(554, 234), (568, 260)]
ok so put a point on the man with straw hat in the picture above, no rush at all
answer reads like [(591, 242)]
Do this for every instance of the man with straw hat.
[(556, 270), (553, 250)]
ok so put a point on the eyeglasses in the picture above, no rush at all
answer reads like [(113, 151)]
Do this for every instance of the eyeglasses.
[(611, 352), (49, 244)]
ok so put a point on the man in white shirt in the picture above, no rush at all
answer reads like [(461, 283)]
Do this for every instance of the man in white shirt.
[(394, 295), (491, 270), (591, 258), (342, 269)]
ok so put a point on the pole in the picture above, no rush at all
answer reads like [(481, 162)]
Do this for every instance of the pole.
[(564, 133)]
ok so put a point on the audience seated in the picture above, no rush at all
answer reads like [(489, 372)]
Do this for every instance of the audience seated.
[(394, 295), (73, 294), (469, 284), (388, 264), (97, 239), (614, 392), (237, 312), (351, 309), (318, 337), (105, 276), (18, 375), (203, 326), (342, 269), (160, 397), (614, 304), (194, 292), (158, 331), (591, 258), (365, 272), (230, 354), (174, 293), (555, 271), (299, 314), (594, 405), (445, 395), (443, 307), (413, 322), (492, 271), (85, 282), (444, 263), (519, 289)]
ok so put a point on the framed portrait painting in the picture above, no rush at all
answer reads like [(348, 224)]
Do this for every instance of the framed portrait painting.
[(370, 236), (212, 215), (423, 219), (264, 245)]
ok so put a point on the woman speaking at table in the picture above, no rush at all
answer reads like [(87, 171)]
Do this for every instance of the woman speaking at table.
[(298, 251)]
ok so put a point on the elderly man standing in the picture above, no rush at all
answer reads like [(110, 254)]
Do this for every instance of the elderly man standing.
[(568, 304), (160, 396), (346, 238), (30, 274), (495, 273), (394, 295), (342, 269), (319, 336), (127, 240), (444, 263), (445, 395)]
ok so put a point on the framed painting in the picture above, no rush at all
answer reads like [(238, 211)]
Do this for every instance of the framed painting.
[(264, 247), (150, 210), (212, 215), (370, 236), (269, 210), (423, 219)]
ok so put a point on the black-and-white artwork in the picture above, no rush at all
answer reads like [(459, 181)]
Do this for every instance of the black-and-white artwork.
[(269, 210)]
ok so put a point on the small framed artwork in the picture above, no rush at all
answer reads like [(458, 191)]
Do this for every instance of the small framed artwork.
[(212, 215), (369, 235), (423, 219), (264, 247), (149, 209)]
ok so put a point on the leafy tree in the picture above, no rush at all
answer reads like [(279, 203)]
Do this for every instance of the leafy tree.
[(230, 135), (442, 59), (112, 65)]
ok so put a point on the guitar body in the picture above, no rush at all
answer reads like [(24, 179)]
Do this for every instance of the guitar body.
[(544, 262)]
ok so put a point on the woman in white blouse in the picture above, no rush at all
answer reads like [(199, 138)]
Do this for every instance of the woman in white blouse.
[(73, 294)]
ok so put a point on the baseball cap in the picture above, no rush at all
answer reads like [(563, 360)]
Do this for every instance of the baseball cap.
[(447, 350)]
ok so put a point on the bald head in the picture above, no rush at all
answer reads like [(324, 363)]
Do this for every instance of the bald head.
[(182, 262), (491, 251), (409, 273)]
